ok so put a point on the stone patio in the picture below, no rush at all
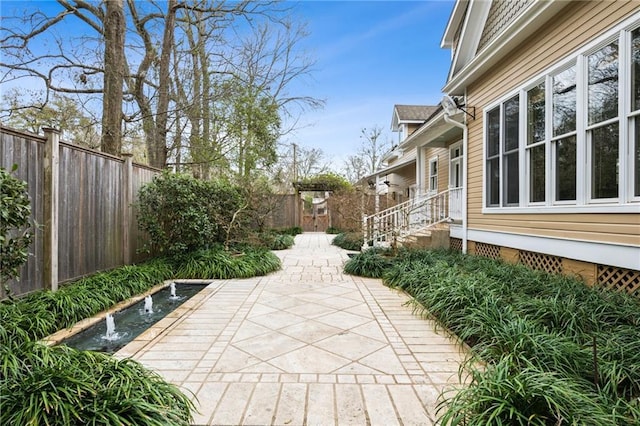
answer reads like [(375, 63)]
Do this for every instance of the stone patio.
[(307, 345)]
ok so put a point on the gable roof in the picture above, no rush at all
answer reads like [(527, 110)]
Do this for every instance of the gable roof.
[(411, 114), (478, 43)]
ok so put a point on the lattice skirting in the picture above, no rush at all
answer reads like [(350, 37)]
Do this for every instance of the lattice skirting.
[(488, 250), (626, 280), (455, 244), (542, 262)]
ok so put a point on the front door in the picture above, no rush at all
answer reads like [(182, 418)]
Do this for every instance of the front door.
[(455, 181)]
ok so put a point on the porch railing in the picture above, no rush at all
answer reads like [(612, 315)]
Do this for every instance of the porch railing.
[(385, 227)]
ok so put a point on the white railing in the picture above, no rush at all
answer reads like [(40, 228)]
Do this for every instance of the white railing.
[(385, 227), (455, 203)]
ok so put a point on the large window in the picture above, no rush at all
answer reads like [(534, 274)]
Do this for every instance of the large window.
[(575, 130), (563, 141), (536, 143), (635, 111), (603, 135)]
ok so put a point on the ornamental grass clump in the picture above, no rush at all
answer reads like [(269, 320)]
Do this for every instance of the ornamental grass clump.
[(546, 349), (43, 385), (221, 264), (39, 314), (370, 263), (348, 240)]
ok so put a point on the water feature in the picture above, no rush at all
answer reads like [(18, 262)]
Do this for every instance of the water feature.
[(148, 304), (173, 290), (111, 328), (123, 326)]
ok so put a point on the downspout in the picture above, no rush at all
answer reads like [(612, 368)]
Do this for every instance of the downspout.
[(465, 131)]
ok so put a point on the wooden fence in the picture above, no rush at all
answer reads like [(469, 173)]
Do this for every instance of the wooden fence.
[(83, 203)]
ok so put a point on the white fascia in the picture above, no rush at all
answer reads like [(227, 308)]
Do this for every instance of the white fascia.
[(519, 30)]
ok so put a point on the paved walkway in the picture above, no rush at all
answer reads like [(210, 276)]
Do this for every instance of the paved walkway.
[(307, 345)]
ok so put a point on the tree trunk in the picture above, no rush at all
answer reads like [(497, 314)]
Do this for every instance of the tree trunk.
[(158, 157), (114, 30)]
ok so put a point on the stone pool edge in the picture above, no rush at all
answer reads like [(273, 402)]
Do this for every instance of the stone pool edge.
[(59, 336)]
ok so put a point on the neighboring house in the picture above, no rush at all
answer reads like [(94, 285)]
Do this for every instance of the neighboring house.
[(551, 141), (398, 171)]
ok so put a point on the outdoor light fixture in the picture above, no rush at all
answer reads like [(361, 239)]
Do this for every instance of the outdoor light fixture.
[(451, 106)]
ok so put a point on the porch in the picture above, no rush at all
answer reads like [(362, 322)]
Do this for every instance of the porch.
[(412, 218)]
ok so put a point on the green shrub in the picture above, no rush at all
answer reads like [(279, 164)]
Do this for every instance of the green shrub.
[(503, 395), (281, 242), (182, 214), (16, 232), (221, 264), (370, 263), (43, 385), (333, 230), (293, 231), (530, 328), (348, 241), (40, 314)]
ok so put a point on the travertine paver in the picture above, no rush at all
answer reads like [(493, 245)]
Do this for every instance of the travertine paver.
[(306, 345)]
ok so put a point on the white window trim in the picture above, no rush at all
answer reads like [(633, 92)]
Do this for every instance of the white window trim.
[(626, 201), (431, 161)]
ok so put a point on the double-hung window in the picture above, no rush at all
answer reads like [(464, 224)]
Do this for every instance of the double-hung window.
[(502, 153), (634, 116), (571, 136), (603, 127), (433, 175)]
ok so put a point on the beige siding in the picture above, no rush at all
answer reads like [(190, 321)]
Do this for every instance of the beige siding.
[(573, 27)]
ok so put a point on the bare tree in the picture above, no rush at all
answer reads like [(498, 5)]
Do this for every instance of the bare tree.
[(114, 30)]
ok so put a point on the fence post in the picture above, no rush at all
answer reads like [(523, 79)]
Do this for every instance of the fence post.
[(50, 201), (127, 184)]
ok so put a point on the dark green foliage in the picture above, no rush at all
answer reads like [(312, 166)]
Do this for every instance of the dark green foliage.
[(536, 333), (333, 231), (182, 214), (293, 231), (348, 241), (61, 386), (327, 182), (370, 263), (525, 395), (274, 240), (281, 242), (42, 313), (220, 264), (16, 232)]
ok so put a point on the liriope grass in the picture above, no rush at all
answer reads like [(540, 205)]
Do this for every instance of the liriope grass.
[(370, 263), (219, 264), (529, 327), (348, 240), (50, 386), (61, 386)]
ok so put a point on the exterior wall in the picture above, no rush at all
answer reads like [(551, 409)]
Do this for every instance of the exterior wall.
[(577, 24), (443, 167), (412, 127)]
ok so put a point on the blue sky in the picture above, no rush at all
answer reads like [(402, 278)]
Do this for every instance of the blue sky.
[(370, 55)]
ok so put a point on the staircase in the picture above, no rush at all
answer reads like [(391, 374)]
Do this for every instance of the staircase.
[(418, 222)]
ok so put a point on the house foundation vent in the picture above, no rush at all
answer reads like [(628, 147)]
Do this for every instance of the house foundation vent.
[(541, 262), (455, 244), (620, 279), (488, 250)]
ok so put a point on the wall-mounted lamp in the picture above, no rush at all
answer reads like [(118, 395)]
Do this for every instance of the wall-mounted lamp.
[(451, 105)]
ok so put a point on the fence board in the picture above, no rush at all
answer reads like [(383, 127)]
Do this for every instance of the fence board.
[(91, 208)]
